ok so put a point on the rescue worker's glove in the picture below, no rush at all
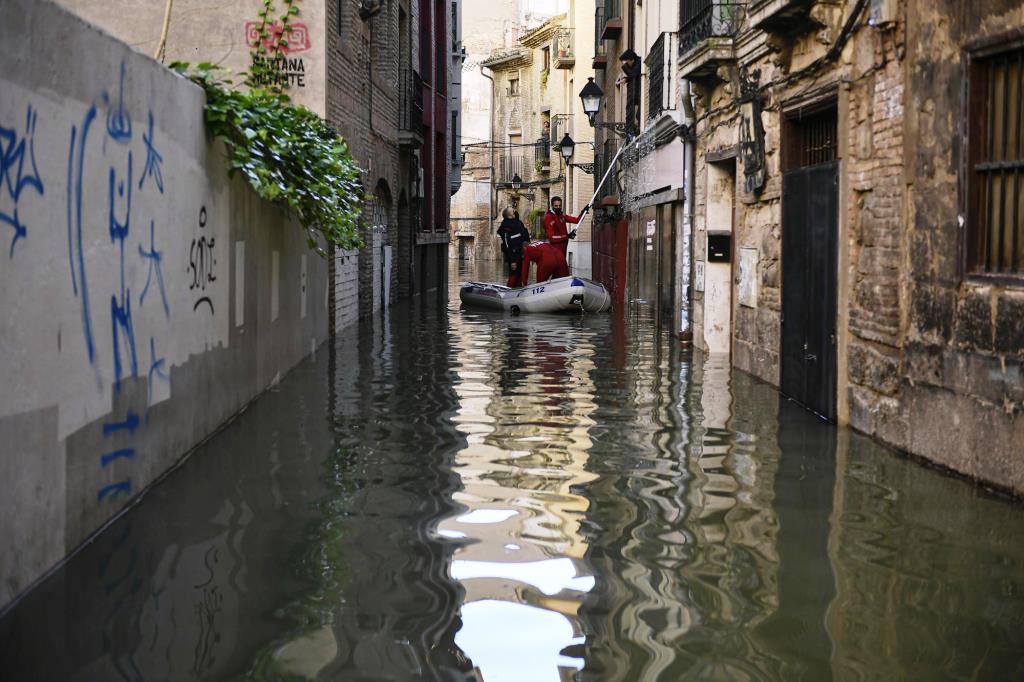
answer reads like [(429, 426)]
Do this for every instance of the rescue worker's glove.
[(572, 235), (585, 211)]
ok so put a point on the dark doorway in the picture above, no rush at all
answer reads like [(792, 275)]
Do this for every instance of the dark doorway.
[(810, 227)]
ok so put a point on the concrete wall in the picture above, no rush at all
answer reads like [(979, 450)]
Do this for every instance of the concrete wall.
[(146, 297), (222, 33)]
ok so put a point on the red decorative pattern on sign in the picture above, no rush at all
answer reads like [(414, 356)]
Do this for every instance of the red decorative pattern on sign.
[(298, 36)]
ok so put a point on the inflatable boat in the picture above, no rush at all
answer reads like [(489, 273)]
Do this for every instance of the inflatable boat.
[(555, 295)]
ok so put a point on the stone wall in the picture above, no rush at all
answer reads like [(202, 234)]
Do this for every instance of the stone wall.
[(961, 382), (930, 359), (147, 299)]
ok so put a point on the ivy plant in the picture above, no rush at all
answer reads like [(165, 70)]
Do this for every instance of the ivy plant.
[(271, 44), (288, 154)]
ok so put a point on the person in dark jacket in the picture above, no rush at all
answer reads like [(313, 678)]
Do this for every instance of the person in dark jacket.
[(514, 239)]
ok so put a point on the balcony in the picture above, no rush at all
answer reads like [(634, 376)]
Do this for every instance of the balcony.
[(779, 16), (600, 52), (612, 28), (706, 37), (542, 155), (565, 56), (410, 112)]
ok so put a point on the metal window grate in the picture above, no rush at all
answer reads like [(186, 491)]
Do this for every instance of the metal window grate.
[(656, 77), (818, 139), (410, 113), (996, 183), (599, 48)]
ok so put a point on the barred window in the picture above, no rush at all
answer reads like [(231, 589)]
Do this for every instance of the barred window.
[(995, 162)]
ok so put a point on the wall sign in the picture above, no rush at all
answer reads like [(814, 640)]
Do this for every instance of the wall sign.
[(752, 133)]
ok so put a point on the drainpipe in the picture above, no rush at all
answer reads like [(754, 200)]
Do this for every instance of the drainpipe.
[(685, 285), (490, 131)]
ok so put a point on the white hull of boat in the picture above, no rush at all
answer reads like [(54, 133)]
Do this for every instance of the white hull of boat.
[(556, 295)]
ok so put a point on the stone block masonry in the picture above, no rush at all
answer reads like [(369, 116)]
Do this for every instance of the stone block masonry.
[(146, 298), (930, 354)]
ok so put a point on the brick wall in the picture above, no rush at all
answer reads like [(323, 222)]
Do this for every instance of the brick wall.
[(363, 62), (876, 216)]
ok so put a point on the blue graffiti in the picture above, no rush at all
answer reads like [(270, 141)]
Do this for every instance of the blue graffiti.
[(76, 250), (114, 490), (154, 257), (123, 453), (153, 159), (156, 367), (119, 123), (14, 176), (130, 423), (121, 308)]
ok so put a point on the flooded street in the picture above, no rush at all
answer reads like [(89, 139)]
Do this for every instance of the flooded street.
[(446, 494)]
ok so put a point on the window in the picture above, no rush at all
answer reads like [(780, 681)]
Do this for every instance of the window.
[(455, 27), (995, 162), (513, 87), (547, 58)]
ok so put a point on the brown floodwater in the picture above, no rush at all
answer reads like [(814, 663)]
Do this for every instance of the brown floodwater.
[(443, 494)]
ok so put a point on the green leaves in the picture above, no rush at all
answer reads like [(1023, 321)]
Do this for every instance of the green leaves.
[(288, 155)]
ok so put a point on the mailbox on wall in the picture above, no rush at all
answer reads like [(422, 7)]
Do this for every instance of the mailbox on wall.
[(719, 247)]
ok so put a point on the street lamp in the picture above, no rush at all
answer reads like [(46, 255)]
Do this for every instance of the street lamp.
[(567, 146), (517, 182), (591, 95)]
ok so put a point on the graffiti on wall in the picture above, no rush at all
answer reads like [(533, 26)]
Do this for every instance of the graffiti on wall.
[(18, 172), (284, 69), (111, 152), (201, 265)]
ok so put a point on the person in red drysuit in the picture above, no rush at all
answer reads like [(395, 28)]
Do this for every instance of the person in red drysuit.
[(554, 225), (549, 259)]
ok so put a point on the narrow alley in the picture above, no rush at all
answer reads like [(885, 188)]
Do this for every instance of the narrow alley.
[(475, 496)]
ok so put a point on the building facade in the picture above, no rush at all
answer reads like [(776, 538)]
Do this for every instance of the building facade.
[(642, 225), (519, 108), (859, 211), (379, 72)]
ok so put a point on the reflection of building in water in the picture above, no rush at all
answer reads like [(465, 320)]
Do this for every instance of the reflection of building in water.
[(681, 531), (526, 400), (929, 573)]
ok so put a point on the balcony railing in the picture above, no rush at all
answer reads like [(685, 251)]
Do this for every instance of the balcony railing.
[(410, 114), (542, 154), (565, 55), (703, 19)]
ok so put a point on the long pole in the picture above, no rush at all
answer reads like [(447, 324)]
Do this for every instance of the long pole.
[(597, 188)]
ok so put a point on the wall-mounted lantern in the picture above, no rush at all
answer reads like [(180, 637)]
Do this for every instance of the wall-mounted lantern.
[(755, 171)]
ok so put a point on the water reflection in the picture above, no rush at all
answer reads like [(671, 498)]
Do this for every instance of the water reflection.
[(525, 403), (446, 495)]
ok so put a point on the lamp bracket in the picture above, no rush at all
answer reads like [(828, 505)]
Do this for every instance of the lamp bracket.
[(620, 128)]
